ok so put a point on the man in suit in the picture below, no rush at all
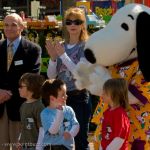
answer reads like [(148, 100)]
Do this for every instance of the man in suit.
[(26, 58)]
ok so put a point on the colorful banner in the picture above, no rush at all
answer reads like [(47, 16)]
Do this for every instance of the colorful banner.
[(106, 8), (86, 5)]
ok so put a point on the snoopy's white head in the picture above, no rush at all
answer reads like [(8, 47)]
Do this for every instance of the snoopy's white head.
[(125, 37)]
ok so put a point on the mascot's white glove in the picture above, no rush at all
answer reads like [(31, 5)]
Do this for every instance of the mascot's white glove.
[(91, 77), (97, 79), (81, 74)]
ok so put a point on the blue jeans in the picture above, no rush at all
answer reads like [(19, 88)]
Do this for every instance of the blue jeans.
[(81, 105)]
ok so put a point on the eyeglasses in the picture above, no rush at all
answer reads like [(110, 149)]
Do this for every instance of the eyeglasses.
[(75, 22)]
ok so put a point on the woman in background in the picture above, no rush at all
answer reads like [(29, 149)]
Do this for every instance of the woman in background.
[(64, 58)]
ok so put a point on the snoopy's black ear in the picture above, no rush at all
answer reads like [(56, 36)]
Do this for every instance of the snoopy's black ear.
[(143, 43)]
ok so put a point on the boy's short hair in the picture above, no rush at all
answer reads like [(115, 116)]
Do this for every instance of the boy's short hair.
[(33, 83), (50, 88)]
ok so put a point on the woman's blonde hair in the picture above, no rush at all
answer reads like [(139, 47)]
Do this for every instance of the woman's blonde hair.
[(77, 13), (117, 88)]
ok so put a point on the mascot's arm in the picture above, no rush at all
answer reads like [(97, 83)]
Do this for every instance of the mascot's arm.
[(91, 77), (132, 98)]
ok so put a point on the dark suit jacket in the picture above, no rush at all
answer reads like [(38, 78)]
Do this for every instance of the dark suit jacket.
[(26, 59)]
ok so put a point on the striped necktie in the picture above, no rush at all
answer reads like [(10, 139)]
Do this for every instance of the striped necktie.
[(10, 55)]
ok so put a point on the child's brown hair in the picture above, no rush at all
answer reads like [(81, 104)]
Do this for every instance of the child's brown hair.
[(33, 83), (50, 88), (117, 88)]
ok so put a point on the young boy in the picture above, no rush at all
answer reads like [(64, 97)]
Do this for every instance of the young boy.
[(30, 86), (58, 120)]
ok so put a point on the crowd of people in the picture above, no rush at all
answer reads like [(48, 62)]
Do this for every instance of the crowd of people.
[(52, 114)]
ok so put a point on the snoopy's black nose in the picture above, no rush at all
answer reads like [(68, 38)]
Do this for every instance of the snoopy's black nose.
[(90, 56)]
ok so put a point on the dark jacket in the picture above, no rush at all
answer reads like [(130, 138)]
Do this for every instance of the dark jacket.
[(26, 59)]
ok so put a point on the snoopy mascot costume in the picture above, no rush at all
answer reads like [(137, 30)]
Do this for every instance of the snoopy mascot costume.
[(121, 49)]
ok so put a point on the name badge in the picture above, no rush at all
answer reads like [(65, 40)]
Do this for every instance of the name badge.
[(18, 62)]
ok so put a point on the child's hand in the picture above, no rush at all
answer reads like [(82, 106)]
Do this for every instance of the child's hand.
[(67, 135)]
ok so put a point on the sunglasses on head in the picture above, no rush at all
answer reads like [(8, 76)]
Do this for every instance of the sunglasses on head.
[(75, 22)]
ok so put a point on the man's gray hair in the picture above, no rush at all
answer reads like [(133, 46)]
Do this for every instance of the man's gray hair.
[(17, 17)]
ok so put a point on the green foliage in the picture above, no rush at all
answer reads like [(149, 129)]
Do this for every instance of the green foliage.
[(59, 17)]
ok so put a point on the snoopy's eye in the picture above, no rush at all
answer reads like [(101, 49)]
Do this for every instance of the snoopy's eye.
[(125, 26)]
